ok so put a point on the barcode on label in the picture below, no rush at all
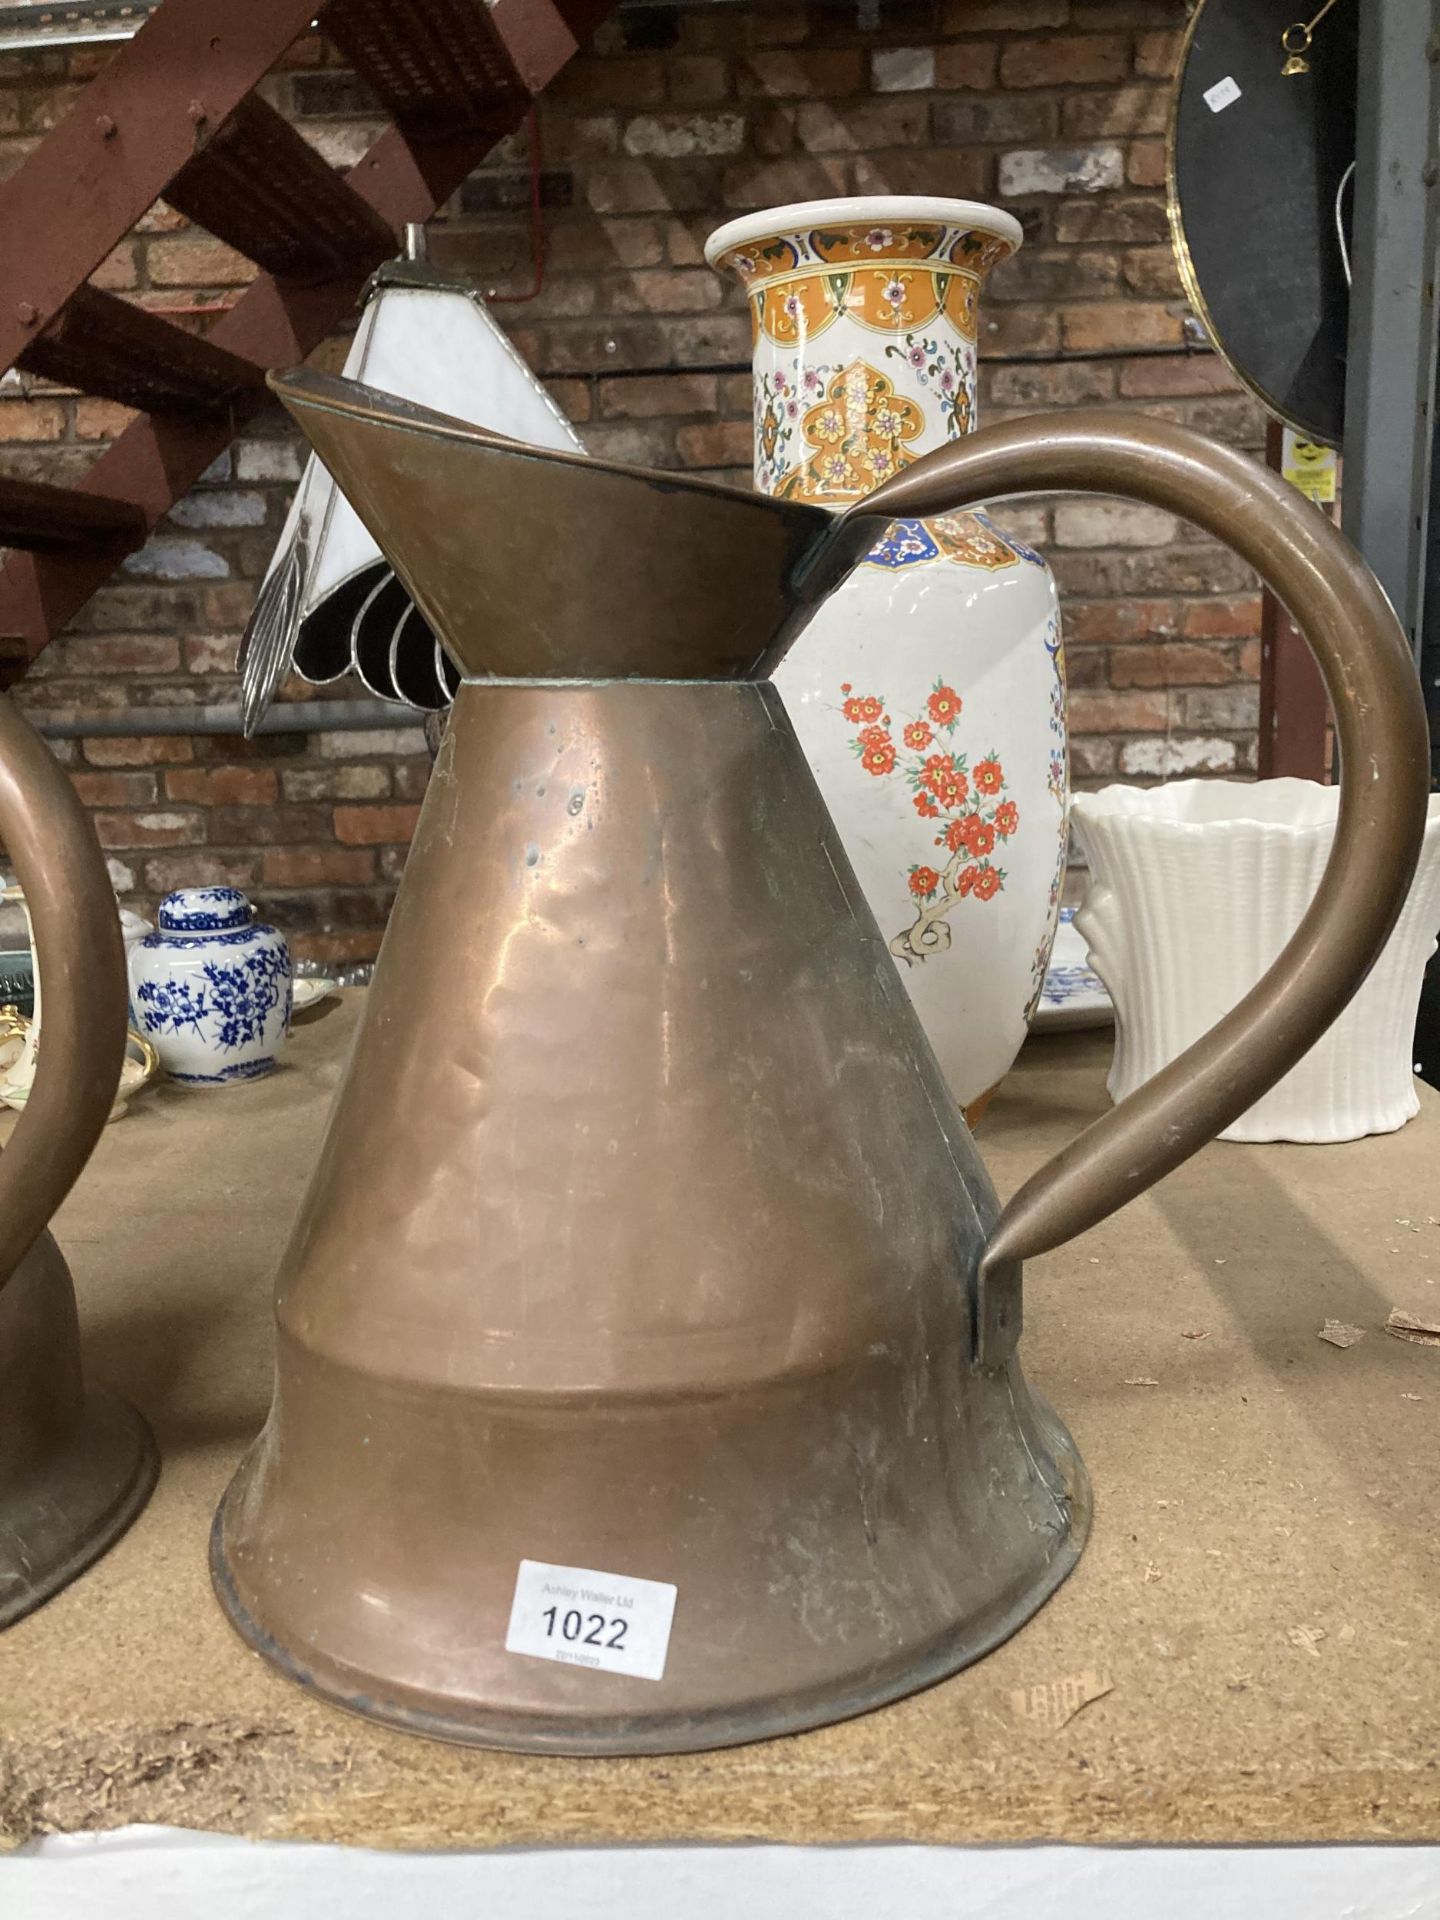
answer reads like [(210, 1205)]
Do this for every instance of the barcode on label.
[(609, 1621), (1223, 94)]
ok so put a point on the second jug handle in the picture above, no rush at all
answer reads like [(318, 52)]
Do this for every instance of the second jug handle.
[(80, 958), (1374, 689)]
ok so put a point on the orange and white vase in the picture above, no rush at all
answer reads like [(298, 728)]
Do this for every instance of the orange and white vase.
[(929, 692)]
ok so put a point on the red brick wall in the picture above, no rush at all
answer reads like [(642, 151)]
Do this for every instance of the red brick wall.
[(671, 121)]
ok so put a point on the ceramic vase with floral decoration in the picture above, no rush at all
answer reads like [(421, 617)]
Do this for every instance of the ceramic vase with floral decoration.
[(929, 692)]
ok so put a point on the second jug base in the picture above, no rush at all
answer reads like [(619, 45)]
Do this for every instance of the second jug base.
[(63, 1516)]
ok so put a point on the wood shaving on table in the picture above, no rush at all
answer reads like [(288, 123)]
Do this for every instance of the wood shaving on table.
[(1340, 1334), (1409, 1326), (1307, 1639), (1049, 1704)]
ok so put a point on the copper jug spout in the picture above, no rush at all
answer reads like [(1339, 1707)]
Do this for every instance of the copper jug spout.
[(557, 565), (646, 1373)]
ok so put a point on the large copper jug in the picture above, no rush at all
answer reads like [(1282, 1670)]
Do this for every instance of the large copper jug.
[(76, 1464), (647, 1371)]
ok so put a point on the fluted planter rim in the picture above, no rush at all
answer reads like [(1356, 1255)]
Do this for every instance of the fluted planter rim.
[(1284, 804)]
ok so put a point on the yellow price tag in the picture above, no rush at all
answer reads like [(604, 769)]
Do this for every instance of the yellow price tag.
[(1309, 467)]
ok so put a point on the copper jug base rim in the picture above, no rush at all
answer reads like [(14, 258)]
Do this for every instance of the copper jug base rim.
[(690, 1732), (97, 1483)]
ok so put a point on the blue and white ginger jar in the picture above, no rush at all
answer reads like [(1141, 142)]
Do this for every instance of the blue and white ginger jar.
[(211, 989)]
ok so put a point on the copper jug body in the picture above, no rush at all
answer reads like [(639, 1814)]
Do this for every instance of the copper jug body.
[(695, 1287), (646, 1247)]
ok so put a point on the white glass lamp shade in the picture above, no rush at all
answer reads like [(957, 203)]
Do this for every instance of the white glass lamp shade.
[(329, 603)]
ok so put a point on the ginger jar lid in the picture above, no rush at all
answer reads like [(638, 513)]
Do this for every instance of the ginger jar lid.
[(204, 910)]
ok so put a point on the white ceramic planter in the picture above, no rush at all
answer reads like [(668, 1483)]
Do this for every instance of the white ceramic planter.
[(1194, 889), (928, 693)]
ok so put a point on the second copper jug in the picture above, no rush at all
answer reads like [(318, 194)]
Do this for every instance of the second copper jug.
[(76, 1463), (647, 1372)]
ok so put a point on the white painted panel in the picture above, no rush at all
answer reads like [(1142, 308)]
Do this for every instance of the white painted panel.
[(151, 1873)]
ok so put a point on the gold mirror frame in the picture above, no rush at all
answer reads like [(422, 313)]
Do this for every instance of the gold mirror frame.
[(1180, 246)]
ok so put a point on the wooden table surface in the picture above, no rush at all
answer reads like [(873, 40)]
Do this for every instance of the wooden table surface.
[(1257, 1614)]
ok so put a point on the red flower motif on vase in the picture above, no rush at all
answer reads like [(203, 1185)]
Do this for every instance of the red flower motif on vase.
[(862, 710), (944, 705), (967, 804), (950, 789)]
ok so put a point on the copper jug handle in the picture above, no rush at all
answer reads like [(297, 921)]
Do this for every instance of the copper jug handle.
[(80, 958), (1374, 689)]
